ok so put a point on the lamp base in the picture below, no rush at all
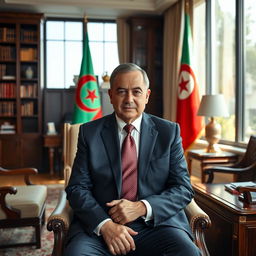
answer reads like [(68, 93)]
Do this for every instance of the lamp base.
[(213, 148), (212, 135)]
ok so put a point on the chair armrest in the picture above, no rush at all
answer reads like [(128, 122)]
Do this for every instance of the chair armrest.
[(235, 169), (67, 173), (59, 222), (22, 171), (199, 221), (10, 212)]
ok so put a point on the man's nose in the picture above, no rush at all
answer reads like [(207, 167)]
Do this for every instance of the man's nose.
[(129, 97)]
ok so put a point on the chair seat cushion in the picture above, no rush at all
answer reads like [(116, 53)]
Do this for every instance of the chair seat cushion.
[(28, 199)]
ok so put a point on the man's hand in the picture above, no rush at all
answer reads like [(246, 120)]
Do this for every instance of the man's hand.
[(118, 237), (124, 211)]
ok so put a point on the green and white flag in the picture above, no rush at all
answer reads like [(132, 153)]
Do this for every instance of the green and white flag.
[(88, 104)]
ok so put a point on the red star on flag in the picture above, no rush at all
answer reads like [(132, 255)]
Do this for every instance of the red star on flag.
[(91, 95), (183, 85)]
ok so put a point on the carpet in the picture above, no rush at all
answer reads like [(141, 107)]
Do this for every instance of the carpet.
[(27, 233)]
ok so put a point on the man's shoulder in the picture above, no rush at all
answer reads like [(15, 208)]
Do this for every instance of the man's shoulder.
[(98, 122), (159, 121)]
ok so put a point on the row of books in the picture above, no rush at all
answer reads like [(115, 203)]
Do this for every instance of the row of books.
[(7, 34), (27, 54), (27, 109), (28, 91), (7, 90), (7, 53), (7, 128), (7, 108), (28, 35)]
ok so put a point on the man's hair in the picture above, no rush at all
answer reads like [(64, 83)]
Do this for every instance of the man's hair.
[(128, 67)]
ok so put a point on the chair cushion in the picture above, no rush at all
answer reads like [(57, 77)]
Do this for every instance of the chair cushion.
[(28, 199)]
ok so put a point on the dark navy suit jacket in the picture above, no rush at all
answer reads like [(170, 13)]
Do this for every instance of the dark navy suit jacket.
[(97, 178)]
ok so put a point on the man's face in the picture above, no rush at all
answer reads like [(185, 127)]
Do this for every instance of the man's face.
[(129, 95)]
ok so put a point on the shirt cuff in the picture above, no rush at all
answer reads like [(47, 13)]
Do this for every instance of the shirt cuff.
[(149, 214), (97, 229)]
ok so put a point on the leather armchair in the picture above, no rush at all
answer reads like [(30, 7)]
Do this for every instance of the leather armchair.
[(244, 170), (60, 219)]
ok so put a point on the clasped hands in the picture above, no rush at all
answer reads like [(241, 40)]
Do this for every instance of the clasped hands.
[(117, 236)]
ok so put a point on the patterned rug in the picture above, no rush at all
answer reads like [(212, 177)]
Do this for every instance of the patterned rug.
[(27, 234)]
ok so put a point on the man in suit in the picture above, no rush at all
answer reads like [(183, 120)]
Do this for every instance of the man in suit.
[(139, 213)]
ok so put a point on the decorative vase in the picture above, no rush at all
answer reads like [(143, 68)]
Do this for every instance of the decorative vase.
[(29, 73)]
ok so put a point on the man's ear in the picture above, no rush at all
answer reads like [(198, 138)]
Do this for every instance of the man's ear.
[(147, 95), (110, 94)]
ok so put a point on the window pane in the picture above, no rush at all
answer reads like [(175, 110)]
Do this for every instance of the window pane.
[(224, 61), (74, 31), (111, 57), (250, 67), (97, 58), (73, 58), (110, 32), (55, 65), (199, 40), (55, 30), (95, 31)]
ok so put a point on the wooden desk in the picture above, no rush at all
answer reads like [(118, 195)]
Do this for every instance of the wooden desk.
[(233, 230), (207, 159), (53, 143)]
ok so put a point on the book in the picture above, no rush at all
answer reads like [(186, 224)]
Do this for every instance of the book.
[(231, 187)]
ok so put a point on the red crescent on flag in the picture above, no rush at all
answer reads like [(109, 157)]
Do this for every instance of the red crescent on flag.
[(82, 81)]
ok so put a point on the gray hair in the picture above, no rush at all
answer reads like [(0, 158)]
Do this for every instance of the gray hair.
[(128, 67)]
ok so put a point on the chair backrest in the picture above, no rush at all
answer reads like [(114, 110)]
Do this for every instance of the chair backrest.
[(250, 154), (69, 148), (248, 159)]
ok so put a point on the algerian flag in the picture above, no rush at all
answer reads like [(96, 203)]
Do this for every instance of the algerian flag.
[(87, 105), (188, 94)]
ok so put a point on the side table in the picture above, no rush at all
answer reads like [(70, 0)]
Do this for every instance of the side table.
[(207, 159), (53, 143)]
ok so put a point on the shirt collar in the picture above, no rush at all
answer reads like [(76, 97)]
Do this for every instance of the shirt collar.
[(136, 123)]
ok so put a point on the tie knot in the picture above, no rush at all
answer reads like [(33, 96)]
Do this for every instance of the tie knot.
[(128, 128)]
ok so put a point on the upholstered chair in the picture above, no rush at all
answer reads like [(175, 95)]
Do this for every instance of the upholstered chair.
[(244, 170), (60, 219), (22, 206)]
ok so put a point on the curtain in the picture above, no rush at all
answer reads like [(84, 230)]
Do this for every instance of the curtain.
[(123, 40), (173, 37)]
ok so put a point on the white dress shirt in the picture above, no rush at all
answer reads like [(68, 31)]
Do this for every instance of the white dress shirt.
[(136, 136)]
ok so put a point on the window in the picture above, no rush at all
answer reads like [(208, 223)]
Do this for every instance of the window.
[(230, 52), (223, 61), (199, 39), (250, 67), (64, 42)]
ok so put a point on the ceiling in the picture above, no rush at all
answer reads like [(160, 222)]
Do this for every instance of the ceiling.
[(108, 9)]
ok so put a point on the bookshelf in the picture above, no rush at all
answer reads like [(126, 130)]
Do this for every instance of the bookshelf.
[(20, 90)]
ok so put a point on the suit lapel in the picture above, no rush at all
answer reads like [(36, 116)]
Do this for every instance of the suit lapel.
[(111, 142), (147, 143)]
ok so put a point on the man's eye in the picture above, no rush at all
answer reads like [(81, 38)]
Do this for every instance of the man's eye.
[(137, 92), (121, 92)]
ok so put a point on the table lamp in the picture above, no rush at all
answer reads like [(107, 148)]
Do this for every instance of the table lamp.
[(212, 106)]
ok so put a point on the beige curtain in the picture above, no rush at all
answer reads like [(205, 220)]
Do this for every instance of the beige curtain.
[(173, 37), (123, 40)]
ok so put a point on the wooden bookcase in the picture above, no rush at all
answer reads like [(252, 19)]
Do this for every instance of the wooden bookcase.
[(147, 51), (20, 90)]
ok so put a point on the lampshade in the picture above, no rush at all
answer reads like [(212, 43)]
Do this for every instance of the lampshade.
[(213, 105)]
